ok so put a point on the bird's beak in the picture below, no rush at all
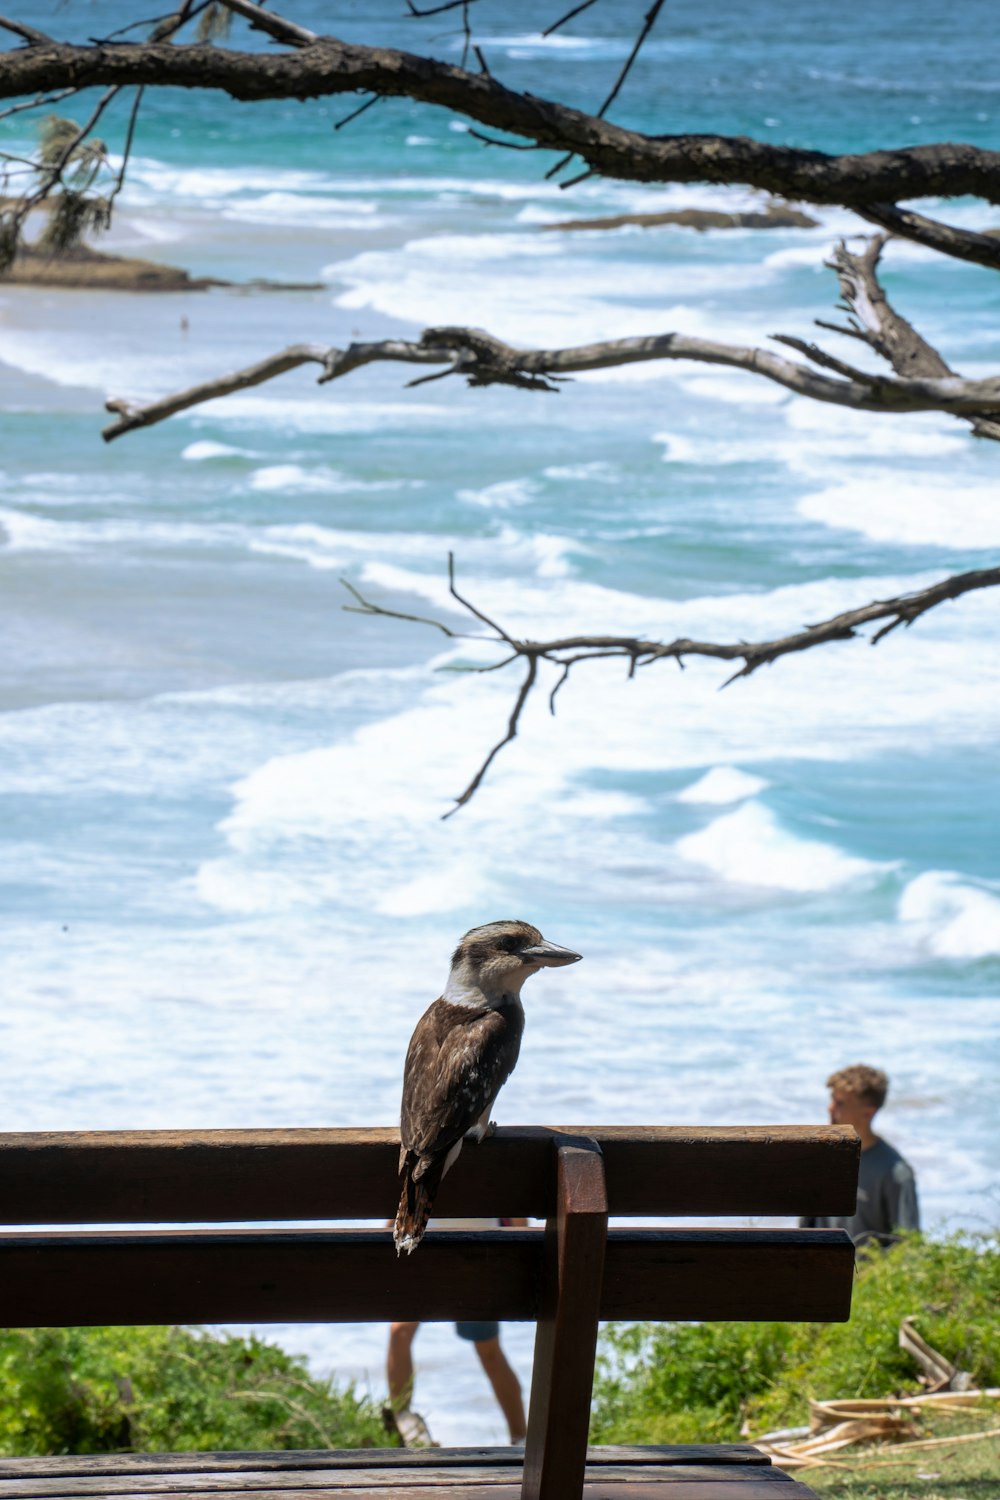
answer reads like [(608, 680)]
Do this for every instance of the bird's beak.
[(550, 955)]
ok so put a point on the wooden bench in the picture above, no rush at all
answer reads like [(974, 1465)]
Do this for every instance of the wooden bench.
[(565, 1278)]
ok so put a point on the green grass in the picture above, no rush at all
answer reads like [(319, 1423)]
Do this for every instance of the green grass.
[(712, 1382), (97, 1390)]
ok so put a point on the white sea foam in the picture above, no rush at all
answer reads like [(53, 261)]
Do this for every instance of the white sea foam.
[(321, 480), (307, 210), (503, 495), (545, 295), (163, 180), (508, 550), (907, 509), (750, 847), (817, 441), (205, 448), (318, 415), (723, 784), (599, 469), (952, 917), (735, 388)]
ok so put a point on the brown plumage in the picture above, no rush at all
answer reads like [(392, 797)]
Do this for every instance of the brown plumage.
[(462, 1052)]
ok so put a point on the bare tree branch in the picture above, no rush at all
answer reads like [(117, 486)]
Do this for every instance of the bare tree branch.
[(271, 23), (965, 244), (483, 360), (876, 323), (570, 651), (130, 416), (27, 34), (327, 66)]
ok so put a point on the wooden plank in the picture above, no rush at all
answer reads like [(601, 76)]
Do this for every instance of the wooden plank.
[(566, 1338), (242, 1276), (751, 1275), (226, 1176), (715, 1485), (272, 1483), (400, 1459)]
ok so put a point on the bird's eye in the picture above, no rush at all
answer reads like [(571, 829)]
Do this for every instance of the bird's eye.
[(509, 945)]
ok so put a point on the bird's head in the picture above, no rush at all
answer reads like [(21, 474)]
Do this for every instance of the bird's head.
[(497, 958)]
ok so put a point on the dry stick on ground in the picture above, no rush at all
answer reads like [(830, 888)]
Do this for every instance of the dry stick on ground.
[(569, 651), (922, 380), (873, 182)]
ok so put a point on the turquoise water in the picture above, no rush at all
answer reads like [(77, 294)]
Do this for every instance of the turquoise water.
[(226, 891)]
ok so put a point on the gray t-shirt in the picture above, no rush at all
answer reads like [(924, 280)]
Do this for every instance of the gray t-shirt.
[(887, 1199)]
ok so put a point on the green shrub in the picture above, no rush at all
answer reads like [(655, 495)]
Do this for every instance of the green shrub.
[(95, 1390), (700, 1382)]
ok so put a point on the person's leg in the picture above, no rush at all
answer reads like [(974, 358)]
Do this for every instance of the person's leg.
[(399, 1364), (506, 1386)]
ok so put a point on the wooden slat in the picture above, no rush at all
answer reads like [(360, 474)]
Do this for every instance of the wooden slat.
[(792, 1275), (653, 1489), (271, 1483), (226, 1176), (401, 1460), (243, 1276), (566, 1339), (709, 1484)]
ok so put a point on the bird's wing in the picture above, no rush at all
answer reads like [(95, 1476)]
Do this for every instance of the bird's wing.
[(456, 1063)]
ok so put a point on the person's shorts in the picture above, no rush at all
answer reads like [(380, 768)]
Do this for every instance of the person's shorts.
[(476, 1333)]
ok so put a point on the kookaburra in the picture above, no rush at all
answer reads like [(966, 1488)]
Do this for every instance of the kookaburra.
[(460, 1055)]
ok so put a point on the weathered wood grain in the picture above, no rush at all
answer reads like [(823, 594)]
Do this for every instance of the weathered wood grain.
[(273, 1484), (717, 1484), (793, 1275), (90, 1278), (566, 1338), (401, 1459), (226, 1176)]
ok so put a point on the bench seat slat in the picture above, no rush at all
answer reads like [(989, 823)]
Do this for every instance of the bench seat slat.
[(251, 1276), (665, 1488), (227, 1176), (401, 1459), (335, 1481)]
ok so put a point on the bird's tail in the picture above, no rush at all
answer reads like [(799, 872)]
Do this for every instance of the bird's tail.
[(415, 1201)]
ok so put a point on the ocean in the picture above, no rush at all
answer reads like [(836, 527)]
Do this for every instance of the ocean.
[(227, 892)]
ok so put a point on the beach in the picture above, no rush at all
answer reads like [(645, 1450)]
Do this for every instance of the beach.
[(226, 891)]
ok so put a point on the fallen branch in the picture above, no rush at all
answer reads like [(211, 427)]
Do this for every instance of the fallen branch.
[(569, 651)]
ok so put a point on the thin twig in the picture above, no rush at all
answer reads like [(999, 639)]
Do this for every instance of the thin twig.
[(576, 11), (436, 10), (473, 610), (372, 99), (39, 103), (521, 700), (28, 34), (126, 149), (648, 23), (270, 22)]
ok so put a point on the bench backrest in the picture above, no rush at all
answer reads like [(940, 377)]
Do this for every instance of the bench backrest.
[(565, 1279)]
